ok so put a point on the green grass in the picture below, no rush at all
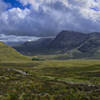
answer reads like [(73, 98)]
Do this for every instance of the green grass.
[(74, 54), (50, 80), (9, 54), (42, 78)]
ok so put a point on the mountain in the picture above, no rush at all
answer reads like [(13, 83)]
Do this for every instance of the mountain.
[(67, 43), (34, 47), (65, 40), (91, 46), (9, 54), (68, 40)]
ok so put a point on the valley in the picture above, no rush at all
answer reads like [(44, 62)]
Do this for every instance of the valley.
[(71, 73), (49, 49), (50, 80)]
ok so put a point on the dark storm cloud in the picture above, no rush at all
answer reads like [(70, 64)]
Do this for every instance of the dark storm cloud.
[(50, 17)]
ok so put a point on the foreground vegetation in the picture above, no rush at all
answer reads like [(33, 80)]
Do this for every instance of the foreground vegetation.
[(50, 80)]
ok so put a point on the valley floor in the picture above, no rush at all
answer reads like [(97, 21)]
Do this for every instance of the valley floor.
[(50, 80)]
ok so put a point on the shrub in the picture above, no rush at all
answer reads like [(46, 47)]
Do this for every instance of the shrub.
[(37, 59)]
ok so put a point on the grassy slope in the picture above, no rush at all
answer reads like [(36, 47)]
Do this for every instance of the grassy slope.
[(47, 80), (9, 54), (74, 54)]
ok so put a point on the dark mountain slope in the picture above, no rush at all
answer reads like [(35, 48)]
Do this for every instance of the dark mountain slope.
[(72, 44), (91, 46), (91, 43), (68, 40), (34, 47)]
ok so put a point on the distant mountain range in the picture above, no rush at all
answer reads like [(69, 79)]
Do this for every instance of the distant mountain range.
[(68, 44)]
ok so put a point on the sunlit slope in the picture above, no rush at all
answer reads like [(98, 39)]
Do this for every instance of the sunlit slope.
[(9, 54)]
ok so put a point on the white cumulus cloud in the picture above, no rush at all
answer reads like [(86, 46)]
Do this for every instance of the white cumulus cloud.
[(50, 16)]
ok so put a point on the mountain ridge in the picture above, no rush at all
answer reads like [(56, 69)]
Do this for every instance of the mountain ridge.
[(86, 45)]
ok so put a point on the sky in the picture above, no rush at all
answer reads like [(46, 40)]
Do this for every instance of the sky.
[(48, 17), (13, 39)]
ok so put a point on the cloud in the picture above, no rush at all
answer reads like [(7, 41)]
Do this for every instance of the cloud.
[(82, 6), (16, 39), (13, 18), (3, 6), (50, 16)]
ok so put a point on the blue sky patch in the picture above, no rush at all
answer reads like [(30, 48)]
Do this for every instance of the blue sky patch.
[(15, 4), (95, 0), (95, 9)]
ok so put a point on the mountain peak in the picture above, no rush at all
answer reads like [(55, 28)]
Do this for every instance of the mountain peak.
[(76, 44), (68, 39)]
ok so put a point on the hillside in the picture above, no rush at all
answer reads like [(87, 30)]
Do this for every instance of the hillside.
[(9, 54), (68, 40), (35, 47), (90, 48), (72, 44)]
